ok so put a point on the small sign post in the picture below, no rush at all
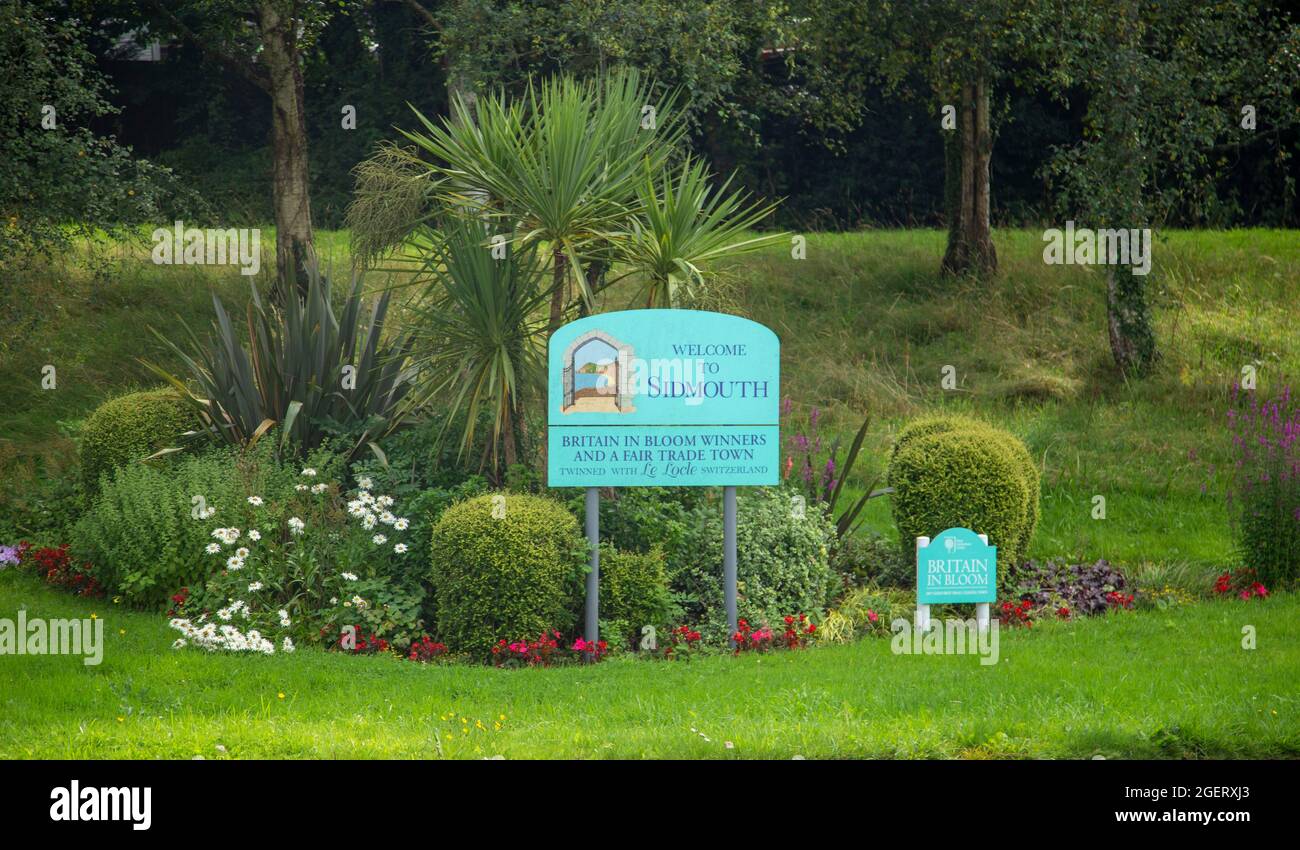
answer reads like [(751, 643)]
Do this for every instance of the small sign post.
[(958, 566), (663, 398)]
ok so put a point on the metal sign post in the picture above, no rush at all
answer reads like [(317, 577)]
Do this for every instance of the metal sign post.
[(592, 631), (729, 555)]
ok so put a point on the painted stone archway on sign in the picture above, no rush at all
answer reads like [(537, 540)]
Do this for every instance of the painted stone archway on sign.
[(597, 372)]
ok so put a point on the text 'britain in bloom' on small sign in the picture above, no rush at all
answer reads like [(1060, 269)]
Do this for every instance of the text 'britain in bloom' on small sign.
[(664, 398), (957, 566)]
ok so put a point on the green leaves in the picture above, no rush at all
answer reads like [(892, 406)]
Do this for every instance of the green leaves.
[(559, 166), (476, 332), (303, 369), (681, 223)]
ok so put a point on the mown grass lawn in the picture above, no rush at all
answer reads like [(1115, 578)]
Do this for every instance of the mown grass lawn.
[(1175, 683)]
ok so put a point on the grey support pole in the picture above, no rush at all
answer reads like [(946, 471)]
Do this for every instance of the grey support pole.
[(729, 555), (592, 632)]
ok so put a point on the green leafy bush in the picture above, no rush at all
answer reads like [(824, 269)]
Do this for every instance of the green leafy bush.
[(637, 519), (145, 530), (861, 559), (505, 566), (947, 474), (782, 560), (129, 428), (634, 593)]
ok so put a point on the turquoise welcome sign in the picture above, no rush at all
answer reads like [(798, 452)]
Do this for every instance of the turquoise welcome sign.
[(665, 398), (957, 566)]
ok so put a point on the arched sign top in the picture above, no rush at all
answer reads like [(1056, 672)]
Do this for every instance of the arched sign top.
[(663, 398)]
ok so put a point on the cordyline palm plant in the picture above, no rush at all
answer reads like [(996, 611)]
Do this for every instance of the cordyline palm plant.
[(560, 167), (477, 330), (683, 222), (304, 369), (579, 173)]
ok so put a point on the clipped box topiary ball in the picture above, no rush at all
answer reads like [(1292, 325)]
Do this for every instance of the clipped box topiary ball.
[(130, 427), (973, 477), (928, 425), (505, 566)]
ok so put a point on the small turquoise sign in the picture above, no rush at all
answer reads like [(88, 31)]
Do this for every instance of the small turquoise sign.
[(957, 566), (665, 398)]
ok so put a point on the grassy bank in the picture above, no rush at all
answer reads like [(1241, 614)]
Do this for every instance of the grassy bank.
[(867, 327)]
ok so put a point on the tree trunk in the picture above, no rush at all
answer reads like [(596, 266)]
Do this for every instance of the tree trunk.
[(294, 249), (560, 291), (508, 435), (970, 241), (1128, 320)]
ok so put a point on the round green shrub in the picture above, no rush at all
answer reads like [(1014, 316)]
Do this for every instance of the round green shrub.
[(925, 426), (782, 561), (861, 559), (510, 575), (131, 427), (634, 593), (962, 478), (930, 425)]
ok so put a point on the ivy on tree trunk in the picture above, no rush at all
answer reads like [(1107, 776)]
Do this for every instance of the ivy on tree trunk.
[(1128, 320)]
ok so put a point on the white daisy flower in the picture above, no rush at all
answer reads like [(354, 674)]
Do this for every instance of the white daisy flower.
[(284, 618), (400, 548), (365, 483), (319, 488), (309, 472), (241, 553), (213, 548), (384, 501), (234, 563), (287, 646), (349, 577), (401, 523), (296, 525), (368, 521), (301, 488), (255, 501), (179, 643), (379, 539), (387, 518), (254, 535)]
